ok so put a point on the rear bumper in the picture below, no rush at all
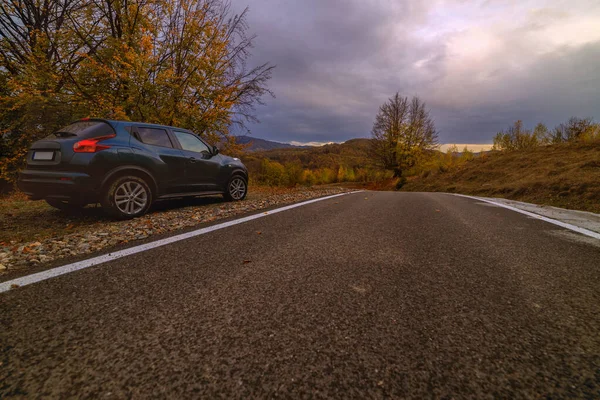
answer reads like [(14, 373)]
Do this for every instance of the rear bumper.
[(60, 185)]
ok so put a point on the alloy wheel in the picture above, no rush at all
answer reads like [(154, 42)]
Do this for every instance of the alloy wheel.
[(237, 188), (131, 197)]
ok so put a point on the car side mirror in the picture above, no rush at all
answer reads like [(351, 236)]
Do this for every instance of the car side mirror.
[(215, 150)]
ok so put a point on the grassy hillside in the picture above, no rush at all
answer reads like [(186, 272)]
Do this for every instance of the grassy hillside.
[(563, 175)]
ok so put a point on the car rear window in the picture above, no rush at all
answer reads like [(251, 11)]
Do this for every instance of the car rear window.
[(84, 129)]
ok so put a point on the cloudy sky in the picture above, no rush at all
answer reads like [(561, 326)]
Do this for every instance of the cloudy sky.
[(479, 65)]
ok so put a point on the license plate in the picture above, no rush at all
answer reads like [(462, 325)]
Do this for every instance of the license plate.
[(43, 155)]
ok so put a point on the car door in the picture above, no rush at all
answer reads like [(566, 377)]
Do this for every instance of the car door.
[(156, 151), (202, 167)]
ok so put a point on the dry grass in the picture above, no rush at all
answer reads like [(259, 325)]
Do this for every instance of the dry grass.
[(565, 175)]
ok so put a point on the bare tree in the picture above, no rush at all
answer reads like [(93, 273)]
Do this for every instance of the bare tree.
[(573, 130), (402, 130)]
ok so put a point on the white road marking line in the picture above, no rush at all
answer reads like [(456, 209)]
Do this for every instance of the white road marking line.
[(574, 228), (65, 269)]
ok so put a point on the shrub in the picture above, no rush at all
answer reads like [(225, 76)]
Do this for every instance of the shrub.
[(272, 173), (327, 175), (516, 138), (308, 177), (293, 173)]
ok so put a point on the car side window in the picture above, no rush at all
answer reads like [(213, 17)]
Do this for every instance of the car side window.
[(154, 136), (190, 142)]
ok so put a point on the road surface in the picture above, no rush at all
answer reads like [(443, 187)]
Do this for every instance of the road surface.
[(367, 295)]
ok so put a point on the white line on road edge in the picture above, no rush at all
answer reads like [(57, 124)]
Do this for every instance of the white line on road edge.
[(574, 228), (65, 269)]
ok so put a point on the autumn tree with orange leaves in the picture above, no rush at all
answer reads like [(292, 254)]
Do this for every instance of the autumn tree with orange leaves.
[(179, 63)]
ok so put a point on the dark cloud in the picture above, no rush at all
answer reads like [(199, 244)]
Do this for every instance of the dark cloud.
[(338, 60)]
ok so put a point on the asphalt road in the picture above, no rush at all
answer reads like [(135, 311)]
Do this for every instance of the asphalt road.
[(368, 295)]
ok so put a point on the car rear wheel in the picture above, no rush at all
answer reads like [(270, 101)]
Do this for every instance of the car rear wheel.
[(65, 205), (127, 197), (237, 188)]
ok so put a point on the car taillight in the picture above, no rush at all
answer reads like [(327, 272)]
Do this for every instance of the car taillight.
[(91, 145)]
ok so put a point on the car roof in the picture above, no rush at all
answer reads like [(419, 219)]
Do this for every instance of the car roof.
[(115, 122)]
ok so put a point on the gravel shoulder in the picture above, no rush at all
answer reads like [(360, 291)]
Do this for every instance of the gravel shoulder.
[(33, 234)]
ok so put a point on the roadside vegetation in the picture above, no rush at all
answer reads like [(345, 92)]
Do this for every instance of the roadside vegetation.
[(575, 130), (559, 167)]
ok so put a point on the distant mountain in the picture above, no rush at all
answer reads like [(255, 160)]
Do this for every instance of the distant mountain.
[(257, 144)]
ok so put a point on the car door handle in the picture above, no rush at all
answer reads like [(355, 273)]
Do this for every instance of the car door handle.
[(192, 160)]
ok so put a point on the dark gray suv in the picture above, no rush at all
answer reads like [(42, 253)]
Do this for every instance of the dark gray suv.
[(126, 166)]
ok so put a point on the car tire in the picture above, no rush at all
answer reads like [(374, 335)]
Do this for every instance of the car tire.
[(127, 197), (236, 189), (65, 205)]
